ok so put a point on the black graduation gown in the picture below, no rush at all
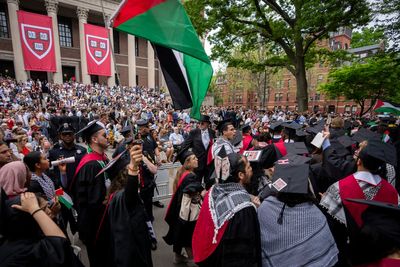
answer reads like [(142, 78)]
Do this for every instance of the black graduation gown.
[(89, 193), (130, 243), (180, 232), (47, 252), (336, 165), (240, 245)]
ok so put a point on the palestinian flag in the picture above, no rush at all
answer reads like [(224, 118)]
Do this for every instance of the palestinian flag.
[(385, 107), (386, 137), (186, 67), (64, 198)]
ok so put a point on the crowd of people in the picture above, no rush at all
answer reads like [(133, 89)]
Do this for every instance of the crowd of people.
[(255, 187)]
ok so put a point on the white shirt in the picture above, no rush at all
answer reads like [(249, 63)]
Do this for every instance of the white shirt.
[(176, 139), (205, 137)]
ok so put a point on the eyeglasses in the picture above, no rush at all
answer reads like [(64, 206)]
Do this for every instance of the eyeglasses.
[(67, 133)]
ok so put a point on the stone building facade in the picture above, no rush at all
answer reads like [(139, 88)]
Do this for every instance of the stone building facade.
[(136, 62)]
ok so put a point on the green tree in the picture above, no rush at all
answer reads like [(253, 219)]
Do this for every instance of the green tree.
[(368, 36), (289, 28), (389, 11), (365, 82)]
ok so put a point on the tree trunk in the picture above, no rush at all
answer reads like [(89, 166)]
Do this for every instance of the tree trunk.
[(362, 104), (301, 82)]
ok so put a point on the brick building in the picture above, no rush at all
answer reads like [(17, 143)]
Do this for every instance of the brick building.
[(279, 89), (136, 62)]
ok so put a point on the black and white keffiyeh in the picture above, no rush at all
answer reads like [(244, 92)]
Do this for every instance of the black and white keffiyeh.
[(225, 201), (332, 202), (46, 183)]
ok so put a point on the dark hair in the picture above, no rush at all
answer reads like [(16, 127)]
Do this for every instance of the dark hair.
[(238, 164), (293, 199), (225, 126), (374, 165), (31, 159)]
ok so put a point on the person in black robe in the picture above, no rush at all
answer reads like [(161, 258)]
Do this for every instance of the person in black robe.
[(89, 191), (33, 239), (181, 229), (227, 231), (377, 241), (124, 229)]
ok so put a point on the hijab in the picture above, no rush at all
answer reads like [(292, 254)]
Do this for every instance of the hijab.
[(13, 178)]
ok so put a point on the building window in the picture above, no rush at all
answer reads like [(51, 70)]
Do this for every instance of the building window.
[(65, 31), (4, 33), (116, 41), (278, 97), (238, 99), (347, 109), (136, 46), (320, 78), (317, 96), (289, 83), (354, 109), (287, 96), (279, 84)]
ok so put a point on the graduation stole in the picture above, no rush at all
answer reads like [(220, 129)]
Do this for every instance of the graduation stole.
[(349, 188), (183, 176), (87, 158)]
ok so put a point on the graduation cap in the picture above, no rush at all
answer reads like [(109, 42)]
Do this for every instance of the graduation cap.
[(301, 133), (346, 141), (382, 220), (317, 128), (115, 165), (222, 124), (92, 127), (295, 159), (298, 148), (364, 134), (126, 130), (380, 151), (292, 125), (276, 126), (183, 155), (290, 178)]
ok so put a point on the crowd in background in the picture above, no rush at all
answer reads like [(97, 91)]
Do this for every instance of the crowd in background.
[(299, 184)]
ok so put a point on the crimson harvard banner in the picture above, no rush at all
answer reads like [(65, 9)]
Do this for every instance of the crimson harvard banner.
[(97, 50), (37, 41)]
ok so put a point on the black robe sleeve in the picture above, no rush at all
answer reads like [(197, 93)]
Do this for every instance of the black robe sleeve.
[(129, 242), (47, 252), (131, 192), (337, 166), (241, 244)]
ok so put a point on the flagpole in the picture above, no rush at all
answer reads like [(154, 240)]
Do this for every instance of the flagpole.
[(107, 25)]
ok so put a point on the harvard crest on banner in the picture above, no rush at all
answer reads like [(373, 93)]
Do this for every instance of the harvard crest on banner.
[(36, 32), (97, 50)]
